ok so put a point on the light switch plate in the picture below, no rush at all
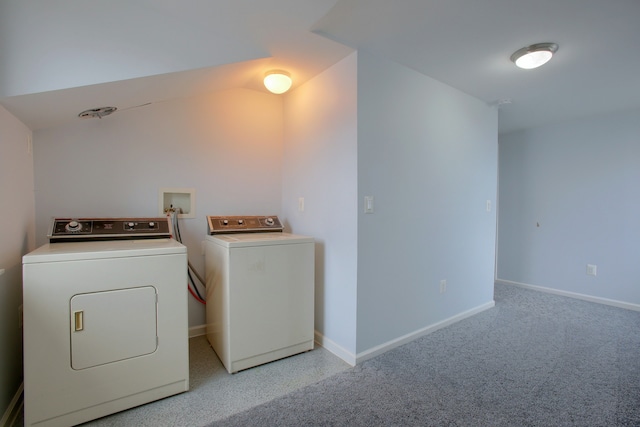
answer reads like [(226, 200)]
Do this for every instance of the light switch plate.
[(368, 204)]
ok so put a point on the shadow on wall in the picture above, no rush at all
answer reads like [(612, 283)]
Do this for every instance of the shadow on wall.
[(10, 334), (319, 295)]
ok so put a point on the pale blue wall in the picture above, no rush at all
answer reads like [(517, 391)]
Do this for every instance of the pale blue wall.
[(580, 182), (320, 165), (427, 153)]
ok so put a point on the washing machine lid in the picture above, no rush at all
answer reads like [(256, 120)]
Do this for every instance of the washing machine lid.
[(258, 239), (75, 251)]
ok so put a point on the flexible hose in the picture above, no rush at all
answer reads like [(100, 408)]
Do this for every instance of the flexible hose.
[(191, 284), (196, 273), (200, 300)]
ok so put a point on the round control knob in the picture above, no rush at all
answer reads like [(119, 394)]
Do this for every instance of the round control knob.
[(152, 224), (130, 225), (269, 221), (225, 221), (73, 226), (241, 221)]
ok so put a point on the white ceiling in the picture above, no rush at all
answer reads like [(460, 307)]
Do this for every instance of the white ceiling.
[(464, 43)]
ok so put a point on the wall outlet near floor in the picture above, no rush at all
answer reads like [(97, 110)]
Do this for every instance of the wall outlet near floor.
[(592, 269), (443, 286)]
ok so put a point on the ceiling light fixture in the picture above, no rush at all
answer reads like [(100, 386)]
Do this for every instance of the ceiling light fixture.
[(534, 56), (277, 81)]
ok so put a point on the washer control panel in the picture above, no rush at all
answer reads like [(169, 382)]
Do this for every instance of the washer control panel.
[(243, 224), (83, 229)]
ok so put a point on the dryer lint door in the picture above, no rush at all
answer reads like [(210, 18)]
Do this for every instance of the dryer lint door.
[(112, 325)]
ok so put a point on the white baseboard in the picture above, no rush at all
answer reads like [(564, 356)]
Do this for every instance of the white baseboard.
[(334, 348), (352, 359), (375, 351), (14, 408), (196, 331), (590, 298)]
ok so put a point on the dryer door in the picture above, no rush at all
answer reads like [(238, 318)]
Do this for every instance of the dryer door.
[(112, 325)]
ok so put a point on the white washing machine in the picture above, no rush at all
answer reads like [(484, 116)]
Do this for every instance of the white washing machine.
[(105, 322), (260, 291)]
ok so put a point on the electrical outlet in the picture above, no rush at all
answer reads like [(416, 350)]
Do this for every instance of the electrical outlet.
[(20, 317), (443, 286), (592, 269), (300, 204)]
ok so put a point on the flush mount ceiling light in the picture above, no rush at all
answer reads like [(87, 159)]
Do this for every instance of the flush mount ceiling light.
[(277, 81), (534, 56)]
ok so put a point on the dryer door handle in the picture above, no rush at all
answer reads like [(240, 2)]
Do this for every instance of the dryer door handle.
[(78, 317)]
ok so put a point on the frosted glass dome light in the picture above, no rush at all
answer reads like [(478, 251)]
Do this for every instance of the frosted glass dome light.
[(534, 56), (277, 81)]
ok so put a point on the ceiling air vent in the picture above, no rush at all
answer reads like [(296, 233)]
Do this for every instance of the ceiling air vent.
[(97, 112)]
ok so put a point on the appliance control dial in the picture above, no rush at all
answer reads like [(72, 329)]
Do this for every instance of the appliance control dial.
[(152, 224), (241, 221), (269, 221), (73, 226)]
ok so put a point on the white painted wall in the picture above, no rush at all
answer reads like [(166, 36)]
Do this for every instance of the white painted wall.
[(427, 153), (16, 239), (56, 45), (225, 145), (320, 165), (570, 196)]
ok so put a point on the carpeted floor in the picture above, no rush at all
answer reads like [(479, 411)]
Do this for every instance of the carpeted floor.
[(535, 359)]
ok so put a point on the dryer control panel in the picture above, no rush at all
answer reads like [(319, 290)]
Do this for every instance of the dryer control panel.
[(243, 224), (91, 229)]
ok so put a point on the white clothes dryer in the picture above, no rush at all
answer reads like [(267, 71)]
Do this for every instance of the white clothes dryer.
[(260, 291), (105, 322)]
